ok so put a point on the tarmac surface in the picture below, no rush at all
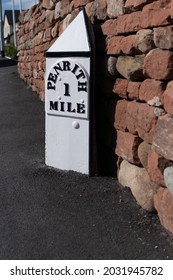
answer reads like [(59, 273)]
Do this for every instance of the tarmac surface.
[(52, 214)]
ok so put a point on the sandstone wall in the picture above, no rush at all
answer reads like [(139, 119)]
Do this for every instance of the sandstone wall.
[(134, 86)]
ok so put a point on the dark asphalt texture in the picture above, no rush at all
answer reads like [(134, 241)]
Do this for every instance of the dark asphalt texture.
[(52, 214)]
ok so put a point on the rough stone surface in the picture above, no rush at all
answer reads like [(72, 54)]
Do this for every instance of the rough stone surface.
[(58, 10), (100, 7), (130, 67), (144, 40), (120, 87), (137, 179), (133, 90), (109, 27), (143, 151), (168, 178), (141, 120), (156, 102), (163, 202), (129, 23), (163, 37), (114, 45), (155, 166), (163, 136), (120, 115), (136, 4), (168, 98), (127, 146), (48, 4), (109, 67), (151, 88), (158, 65), (115, 8)]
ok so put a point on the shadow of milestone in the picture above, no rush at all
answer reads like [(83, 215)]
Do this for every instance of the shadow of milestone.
[(4, 62)]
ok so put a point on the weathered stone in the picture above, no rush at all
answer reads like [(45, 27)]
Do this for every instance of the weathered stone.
[(57, 11), (109, 27), (120, 87), (127, 146), (48, 4), (66, 22), (163, 202), (143, 151), (153, 18), (156, 102), (121, 44), (133, 90), (158, 65), (130, 67), (157, 5), (136, 4), (128, 45), (109, 67), (137, 179), (115, 8), (155, 167), (90, 11), (120, 115), (79, 3), (151, 88), (55, 30), (168, 98), (144, 40), (100, 9), (129, 23), (163, 37), (163, 137), (114, 45), (158, 112), (141, 120), (168, 178)]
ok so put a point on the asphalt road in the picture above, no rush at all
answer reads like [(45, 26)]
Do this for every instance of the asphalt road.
[(51, 214)]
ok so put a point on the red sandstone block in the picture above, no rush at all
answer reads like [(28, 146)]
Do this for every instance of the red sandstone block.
[(163, 202), (127, 146), (120, 44), (154, 163), (141, 120), (129, 23), (109, 27), (158, 64), (136, 4), (137, 20), (128, 45), (133, 90), (79, 3), (157, 5), (168, 98), (66, 8), (151, 88), (114, 45), (163, 137), (120, 87), (120, 115), (152, 18), (48, 4)]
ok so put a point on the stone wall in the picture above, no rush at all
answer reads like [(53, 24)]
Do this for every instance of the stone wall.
[(134, 87)]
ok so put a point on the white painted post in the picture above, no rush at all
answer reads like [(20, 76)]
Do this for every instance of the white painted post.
[(68, 99)]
